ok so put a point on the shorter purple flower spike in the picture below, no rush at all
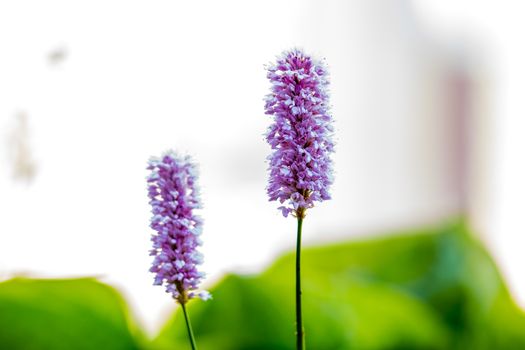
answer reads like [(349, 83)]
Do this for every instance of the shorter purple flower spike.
[(174, 196)]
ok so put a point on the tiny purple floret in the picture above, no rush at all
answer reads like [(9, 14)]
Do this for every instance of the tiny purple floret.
[(174, 196), (301, 134)]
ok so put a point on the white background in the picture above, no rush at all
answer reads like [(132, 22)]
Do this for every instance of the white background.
[(142, 76)]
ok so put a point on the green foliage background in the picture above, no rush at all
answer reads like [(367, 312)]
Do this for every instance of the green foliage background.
[(435, 288)]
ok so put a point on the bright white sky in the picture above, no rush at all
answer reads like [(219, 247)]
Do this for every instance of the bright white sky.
[(142, 76)]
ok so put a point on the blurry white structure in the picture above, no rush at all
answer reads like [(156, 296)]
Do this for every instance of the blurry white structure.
[(403, 103), (503, 187)]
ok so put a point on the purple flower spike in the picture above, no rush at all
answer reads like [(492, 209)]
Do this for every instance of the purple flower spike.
[(301, 135), (174, 196)]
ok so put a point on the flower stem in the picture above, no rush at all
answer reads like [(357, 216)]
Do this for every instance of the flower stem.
[(298, 292), (188, 326)]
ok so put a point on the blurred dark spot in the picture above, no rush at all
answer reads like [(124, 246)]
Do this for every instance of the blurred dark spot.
[(20, 154), (58, 55)]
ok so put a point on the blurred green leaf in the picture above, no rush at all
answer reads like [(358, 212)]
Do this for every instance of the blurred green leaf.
[(80, 314), (247, 313), (435, 288)]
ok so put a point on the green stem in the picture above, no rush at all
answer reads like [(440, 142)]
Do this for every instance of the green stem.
[(298, 292), (188, 326)]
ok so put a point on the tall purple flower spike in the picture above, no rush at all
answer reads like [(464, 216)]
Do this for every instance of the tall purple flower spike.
[(301, 135), (174, 196)]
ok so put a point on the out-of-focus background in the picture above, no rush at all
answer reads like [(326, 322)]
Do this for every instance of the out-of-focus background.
[(426, 99)]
